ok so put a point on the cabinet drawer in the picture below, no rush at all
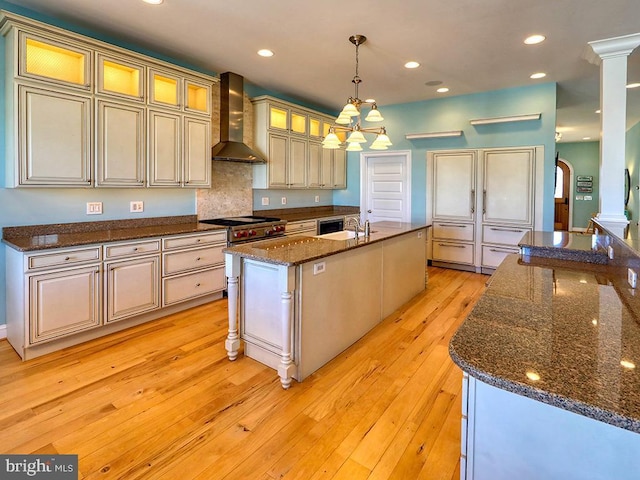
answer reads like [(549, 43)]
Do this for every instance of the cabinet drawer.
[(185, 287), (121, 250), (191, 259), (492, 256), (453, 252), (503, 235), (295, 227), (67, 257), (453, 231), (194, 240)]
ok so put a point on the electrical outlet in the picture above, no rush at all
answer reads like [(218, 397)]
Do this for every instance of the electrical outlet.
[(265, 200), (610, 252), (588, 197), (136, 207), (317, 198), (632, 277), (319, 267), (94, 208), (284, 200)]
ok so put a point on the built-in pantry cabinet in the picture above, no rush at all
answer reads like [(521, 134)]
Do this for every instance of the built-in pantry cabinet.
[(482, 203), (290, 138), (64, 296), (83, 113)]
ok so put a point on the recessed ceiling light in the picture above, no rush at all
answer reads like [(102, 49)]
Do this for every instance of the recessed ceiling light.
[(442, 90), (153, 2), (265, 52), (411, 65), (534, 39), (538, 75), (586, 138), (598, 111), (370, 100), (633, 85)]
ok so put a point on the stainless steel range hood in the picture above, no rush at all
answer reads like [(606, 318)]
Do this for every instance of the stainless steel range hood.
[(231, 148)]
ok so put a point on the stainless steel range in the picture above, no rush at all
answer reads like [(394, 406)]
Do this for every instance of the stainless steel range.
[(249, 229)]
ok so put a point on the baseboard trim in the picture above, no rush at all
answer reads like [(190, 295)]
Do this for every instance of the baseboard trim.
[(3, 331)]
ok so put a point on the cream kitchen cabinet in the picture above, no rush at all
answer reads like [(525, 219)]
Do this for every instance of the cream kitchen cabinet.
[(307, 228), (192, 266), (482, 203), (132, 276), (78, 113), (121, 152), (64, 296), (52, 295), (290, 137)]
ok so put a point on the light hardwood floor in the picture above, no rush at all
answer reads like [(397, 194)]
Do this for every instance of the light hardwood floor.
[(161, 401)]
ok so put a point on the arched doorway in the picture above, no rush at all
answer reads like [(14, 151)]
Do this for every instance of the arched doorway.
[(562, 196)]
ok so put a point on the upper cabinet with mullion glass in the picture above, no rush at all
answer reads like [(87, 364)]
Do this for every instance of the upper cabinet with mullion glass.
[(120, 78), (165, 89), (197, 97), (54, 61)]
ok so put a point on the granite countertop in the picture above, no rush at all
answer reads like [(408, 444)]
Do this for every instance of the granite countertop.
[(560, 332), (308, 213), (298, 249), (578, 247), (62, 235)]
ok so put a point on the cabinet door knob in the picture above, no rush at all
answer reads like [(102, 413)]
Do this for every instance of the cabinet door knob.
[(197, 284), (67, 259)]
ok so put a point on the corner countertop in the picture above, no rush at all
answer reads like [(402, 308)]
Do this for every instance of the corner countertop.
[(578, 247), (298, 249), (63, 235), (574, 326)]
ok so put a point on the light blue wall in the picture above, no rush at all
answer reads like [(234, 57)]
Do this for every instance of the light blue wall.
[(633, 164), (294, 198), (454, 113), (44, 206), (584, 157)]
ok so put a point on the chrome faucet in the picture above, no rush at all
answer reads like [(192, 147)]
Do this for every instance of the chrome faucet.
[(357, 228)]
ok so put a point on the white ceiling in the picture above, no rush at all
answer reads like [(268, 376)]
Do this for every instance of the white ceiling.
[(470, 45)]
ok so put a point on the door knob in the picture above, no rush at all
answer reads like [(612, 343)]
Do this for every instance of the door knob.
[(368, 211)]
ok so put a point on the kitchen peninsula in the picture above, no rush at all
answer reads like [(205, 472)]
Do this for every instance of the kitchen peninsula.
[(300, 301), (551, 387)]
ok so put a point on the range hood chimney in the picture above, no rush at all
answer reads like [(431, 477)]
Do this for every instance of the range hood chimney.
[(231, 148)]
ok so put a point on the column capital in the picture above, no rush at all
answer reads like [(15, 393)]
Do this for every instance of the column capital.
[(612, 47)]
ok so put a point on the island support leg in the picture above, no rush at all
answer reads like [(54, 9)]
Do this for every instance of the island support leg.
[(232, 270), (286, 367)]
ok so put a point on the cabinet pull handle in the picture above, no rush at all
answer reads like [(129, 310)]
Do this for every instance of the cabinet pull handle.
[(473, 200), (135, 249), (452, 225), (497, 250), (515, 230), (484, 201), (198, 259), (451, 246), (66, 259), (197, 284)]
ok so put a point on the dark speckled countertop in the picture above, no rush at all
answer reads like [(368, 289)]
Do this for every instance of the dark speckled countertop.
[(577, 247), (308, 213), (299, 249), (574, 326), (62, 235)]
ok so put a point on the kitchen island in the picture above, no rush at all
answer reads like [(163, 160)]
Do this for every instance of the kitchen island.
[(551, 388), (297, 302)]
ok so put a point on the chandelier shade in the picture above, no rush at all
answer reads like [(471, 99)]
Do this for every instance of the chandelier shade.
[(349, 119)]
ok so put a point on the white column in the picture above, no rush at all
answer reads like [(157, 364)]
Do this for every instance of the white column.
[(232, 271), (286, 368), (612, 55)]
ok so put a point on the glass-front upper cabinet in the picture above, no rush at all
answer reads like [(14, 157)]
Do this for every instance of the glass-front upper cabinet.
[(289, 120), (122, 78), (164, 89), (47, 59), (315, 127), (198, 97)]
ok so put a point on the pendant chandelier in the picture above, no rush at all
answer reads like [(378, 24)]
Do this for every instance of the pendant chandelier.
[(349, 118)]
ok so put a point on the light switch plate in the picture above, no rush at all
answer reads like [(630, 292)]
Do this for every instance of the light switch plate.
[(265, 200), (632, 277), (284, 200)]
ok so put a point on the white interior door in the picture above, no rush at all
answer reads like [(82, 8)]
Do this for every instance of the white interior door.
[(385, 193)]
